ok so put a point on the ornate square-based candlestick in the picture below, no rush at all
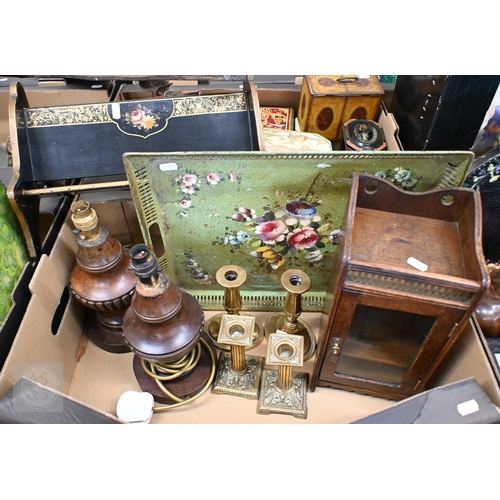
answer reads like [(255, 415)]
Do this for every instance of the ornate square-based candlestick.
[(283, 391), (237, 374)]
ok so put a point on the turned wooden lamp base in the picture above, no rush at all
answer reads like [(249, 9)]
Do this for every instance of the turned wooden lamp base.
[(105, 330)]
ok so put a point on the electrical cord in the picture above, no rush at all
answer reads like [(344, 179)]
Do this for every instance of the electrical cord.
[(164, 372)]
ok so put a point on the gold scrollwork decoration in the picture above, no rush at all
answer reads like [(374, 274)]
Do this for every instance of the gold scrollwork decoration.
[(67, 115)]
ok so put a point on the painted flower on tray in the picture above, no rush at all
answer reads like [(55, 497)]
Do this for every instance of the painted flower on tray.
[(190, 179), (213, 178), (271, 232), (334, 236), (281, 233), (314, 256), (187, 188), (298, 212), (242, 236), (273, 258), (188, 184), (400, 177), (244, 214), (194, 269), (302, 238)]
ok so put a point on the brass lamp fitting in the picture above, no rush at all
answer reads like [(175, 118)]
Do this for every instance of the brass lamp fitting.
[(283, 391), (85, 219), (231, 278), (296, 283), (237, 373)]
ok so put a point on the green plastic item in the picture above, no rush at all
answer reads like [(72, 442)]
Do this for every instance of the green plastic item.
[(13, 253)]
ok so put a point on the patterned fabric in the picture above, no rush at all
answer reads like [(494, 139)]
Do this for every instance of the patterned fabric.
[(13, 253)]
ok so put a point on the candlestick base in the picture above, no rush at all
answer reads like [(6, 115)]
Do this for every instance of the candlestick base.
[(291, 402), (244, 384)]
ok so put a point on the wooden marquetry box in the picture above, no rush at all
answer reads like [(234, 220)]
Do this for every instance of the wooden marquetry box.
[(328, 101), (405, 279)]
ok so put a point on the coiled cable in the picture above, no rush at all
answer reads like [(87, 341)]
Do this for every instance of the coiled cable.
[(166, 372)]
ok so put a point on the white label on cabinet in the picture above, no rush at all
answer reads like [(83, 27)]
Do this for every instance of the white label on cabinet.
[(417, 264), (468, 407), (115, 110)]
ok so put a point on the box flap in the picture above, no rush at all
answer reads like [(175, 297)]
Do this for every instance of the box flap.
[(463, 402)]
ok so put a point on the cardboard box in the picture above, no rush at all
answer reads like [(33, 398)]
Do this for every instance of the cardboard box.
[(463, 402), (289, 96), (51, 338), (50, 335)]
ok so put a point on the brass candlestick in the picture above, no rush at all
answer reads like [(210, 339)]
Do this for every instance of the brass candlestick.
[(283, 391), (238, 374), (296, 283), (101, 279), (231, 277)]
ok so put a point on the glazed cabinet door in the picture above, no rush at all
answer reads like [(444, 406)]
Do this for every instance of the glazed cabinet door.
[(383, 346)]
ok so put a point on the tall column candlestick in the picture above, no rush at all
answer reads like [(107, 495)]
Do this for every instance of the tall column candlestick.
[(296, 283), (231, 278)]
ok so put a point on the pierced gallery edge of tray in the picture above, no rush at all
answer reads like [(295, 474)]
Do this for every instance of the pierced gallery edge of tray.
[(266, 212)]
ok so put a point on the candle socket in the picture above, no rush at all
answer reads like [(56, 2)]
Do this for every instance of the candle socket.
[(296, 283), (237, 374)]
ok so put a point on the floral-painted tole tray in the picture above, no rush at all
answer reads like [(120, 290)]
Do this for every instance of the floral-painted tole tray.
[(265, 212)]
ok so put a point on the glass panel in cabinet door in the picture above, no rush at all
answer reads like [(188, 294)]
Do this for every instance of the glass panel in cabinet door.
[(382, 344)]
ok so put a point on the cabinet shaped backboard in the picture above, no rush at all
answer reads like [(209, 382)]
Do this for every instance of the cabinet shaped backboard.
[(405, 279)]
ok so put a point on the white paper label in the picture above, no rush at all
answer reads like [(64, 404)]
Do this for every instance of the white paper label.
[(497, 357), (468, 407), (168, 166), (115, 110), (417, 264)]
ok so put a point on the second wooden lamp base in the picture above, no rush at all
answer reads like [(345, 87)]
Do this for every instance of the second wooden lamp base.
[(105, 329)]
